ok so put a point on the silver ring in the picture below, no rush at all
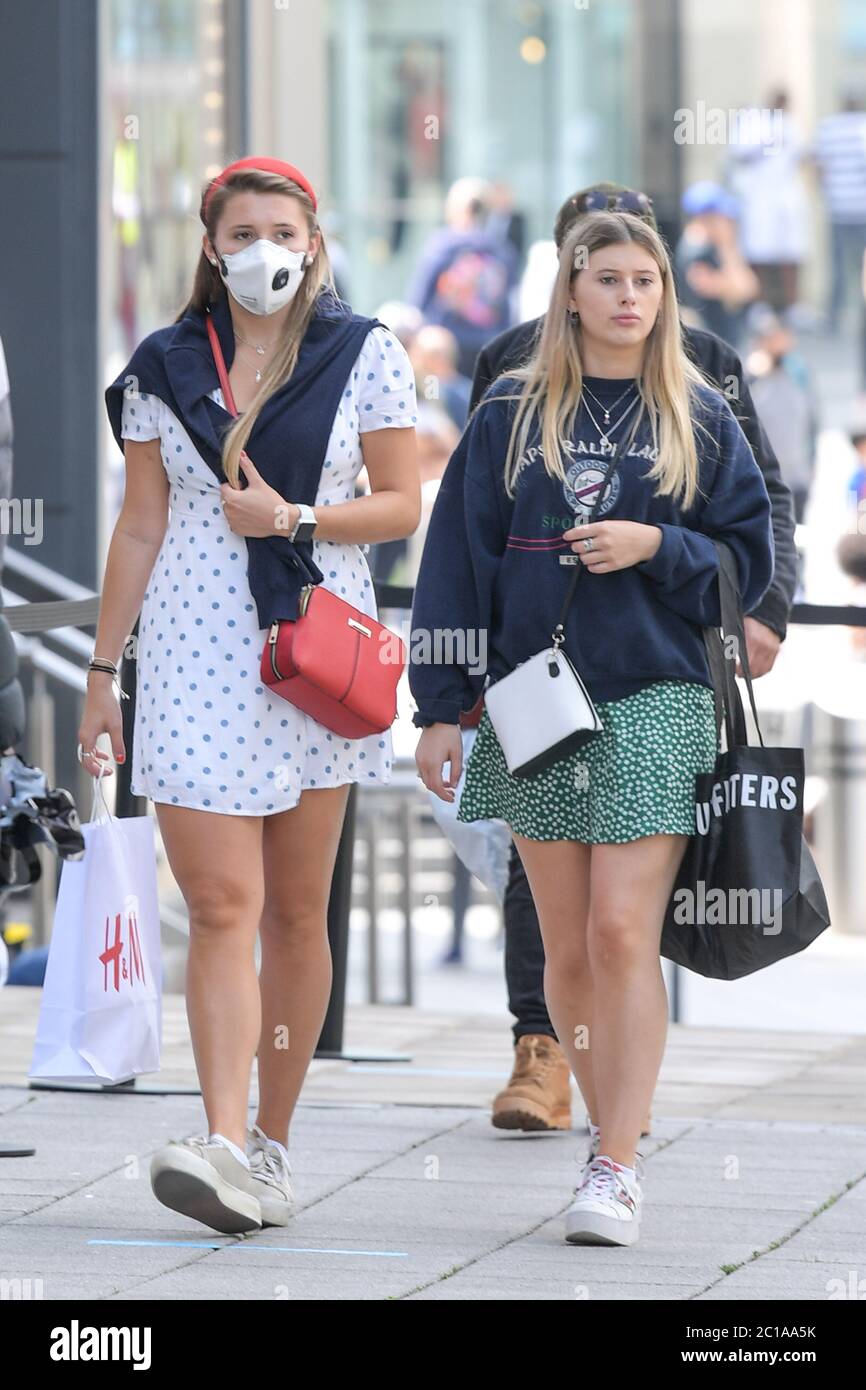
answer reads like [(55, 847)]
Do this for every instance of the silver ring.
[(82, 755), (588, 543)]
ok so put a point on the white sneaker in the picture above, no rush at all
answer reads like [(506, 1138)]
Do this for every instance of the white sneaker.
[(606, 1207), (592, 1152), (202, 1178), (272, 1177)]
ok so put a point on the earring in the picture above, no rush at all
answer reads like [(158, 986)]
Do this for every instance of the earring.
[(574, 315)]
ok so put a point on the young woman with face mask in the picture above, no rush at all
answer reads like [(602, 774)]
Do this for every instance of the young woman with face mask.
[(610, 405), (250, 792)]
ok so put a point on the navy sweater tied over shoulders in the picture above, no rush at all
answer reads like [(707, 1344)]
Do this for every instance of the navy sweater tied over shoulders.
[(490, 585)]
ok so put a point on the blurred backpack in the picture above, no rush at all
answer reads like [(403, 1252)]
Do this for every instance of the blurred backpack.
[(473, 287)]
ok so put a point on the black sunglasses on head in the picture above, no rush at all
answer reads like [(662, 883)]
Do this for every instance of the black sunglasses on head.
[(598, 201)]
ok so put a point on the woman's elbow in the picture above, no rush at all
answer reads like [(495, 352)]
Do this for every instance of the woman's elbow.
[(407, 517)]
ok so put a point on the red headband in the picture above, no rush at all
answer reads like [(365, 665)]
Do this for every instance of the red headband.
[(270, 166)]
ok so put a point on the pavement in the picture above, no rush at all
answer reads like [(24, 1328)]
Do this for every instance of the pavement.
[(755, 1187)]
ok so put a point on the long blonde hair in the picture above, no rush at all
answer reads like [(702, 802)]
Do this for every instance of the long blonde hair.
[(553, 377), (208, 288)]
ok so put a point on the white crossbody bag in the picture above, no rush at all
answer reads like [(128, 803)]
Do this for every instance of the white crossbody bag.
[(541, 711)]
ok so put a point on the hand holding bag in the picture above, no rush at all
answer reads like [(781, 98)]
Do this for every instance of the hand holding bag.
[(334, 662), (748, 892), (100, 1017), (541, 711)]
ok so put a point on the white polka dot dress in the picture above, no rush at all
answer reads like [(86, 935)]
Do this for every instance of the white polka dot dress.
[(208, 734)]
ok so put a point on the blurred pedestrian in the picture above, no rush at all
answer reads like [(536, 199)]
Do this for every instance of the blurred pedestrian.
[(466, 272), (840, 153), (863, 330), (437, 437), (714, 279), (537, 280), (857, 481), (404, 320), (851, 555), (504, 219), (786, 402), (766, 153), (434, 355)]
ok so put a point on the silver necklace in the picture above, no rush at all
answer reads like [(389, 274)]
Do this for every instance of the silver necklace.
[(601, 405), (260, 350), (604, 434), (257, 347)]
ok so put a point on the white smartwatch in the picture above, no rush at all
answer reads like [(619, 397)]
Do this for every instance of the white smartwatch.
[(305, 526)]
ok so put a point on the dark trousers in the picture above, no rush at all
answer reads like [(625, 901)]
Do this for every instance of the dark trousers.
[(524, 954)]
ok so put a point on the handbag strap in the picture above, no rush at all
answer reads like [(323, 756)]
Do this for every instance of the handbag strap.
[(558, 633), (219, 362), (298, 560)]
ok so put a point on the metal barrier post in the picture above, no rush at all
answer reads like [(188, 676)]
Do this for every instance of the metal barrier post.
[(405, 810), (330, 1044), (126, 804)]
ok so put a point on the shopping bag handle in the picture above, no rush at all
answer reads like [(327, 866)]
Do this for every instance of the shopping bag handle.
[(99, 793), (725, 689)]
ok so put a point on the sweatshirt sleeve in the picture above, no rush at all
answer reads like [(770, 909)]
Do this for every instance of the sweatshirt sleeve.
[(685, 567), (453, 603)]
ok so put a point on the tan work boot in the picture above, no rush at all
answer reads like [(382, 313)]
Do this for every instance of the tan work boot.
[(538, 1096)]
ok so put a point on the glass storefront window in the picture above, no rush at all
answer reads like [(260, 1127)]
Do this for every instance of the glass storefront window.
[(526, 93), (164, 129)]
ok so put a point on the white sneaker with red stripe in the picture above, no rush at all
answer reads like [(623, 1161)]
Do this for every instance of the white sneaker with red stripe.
[(606, 1206)]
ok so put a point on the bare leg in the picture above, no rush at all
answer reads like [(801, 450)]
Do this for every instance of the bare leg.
[(558, 875), (629, 892), (300, 850), (217, 862)]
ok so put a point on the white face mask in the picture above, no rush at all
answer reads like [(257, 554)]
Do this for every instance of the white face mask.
[(263, 277)]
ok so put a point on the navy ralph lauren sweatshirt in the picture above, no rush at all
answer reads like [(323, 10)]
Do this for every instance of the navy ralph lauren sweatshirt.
[(490, 584)]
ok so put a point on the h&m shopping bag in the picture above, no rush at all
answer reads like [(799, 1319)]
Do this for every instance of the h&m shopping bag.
[(101, 1012), (748, 892)]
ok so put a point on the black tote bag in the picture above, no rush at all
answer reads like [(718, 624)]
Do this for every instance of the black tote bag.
[(748, 892)]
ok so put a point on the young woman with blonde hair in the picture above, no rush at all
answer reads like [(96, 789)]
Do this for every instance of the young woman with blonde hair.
[(609, 403), (212, 545)]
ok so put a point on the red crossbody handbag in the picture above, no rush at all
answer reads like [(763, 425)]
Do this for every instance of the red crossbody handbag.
[(334, 662)]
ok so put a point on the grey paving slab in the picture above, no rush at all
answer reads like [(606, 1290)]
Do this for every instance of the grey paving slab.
[(755, 1183)]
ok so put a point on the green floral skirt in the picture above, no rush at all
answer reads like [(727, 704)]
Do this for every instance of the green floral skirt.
[(635, 778)]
